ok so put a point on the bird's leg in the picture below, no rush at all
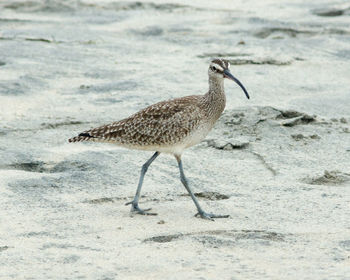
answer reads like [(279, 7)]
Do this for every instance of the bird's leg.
[(201, 213), (135, 202)]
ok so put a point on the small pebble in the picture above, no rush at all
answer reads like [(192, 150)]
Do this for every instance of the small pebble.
[(298, 137), (315, 136), (343, 120), (161, 222), (228, 147)]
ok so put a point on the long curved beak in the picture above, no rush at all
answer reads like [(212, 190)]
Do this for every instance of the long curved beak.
[(227, 74)]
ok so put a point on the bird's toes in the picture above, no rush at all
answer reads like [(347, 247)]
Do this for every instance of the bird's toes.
[(137, 210), (204, 215), (210, 216)]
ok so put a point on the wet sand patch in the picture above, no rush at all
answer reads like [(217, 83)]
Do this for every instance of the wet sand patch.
[(223, 55), (3, 248), (259, 61), (231, 144), (329, 178), (330, 12), (299, 137), (209, 195), (105, 200), (290, 32), (220, 237), (59, 124), (49, 167), (34, 166)]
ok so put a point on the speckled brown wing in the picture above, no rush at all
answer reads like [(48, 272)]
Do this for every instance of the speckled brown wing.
[(163, 123)]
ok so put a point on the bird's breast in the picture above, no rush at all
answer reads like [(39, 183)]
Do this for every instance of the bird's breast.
[(197, 135)]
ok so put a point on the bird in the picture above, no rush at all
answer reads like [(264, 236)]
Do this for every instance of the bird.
[(170, 127)]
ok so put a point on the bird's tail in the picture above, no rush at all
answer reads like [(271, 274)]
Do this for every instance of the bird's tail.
[(84, 136)]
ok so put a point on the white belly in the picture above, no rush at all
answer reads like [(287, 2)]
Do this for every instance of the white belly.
[(193, 139)]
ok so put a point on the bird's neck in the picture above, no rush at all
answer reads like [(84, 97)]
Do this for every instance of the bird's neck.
[(216, 85), (215, 98)]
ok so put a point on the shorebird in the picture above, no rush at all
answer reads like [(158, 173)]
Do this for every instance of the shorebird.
[(169, 127)]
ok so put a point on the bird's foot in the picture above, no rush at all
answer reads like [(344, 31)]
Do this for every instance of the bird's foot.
[(210, 216), (136, 209)]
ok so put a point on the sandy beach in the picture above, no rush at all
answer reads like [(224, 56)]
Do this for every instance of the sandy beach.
[(278, 164)]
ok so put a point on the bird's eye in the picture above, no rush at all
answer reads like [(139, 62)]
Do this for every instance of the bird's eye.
[(213, 68)]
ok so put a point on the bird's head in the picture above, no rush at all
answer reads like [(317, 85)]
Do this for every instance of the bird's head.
[(220, 69)]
